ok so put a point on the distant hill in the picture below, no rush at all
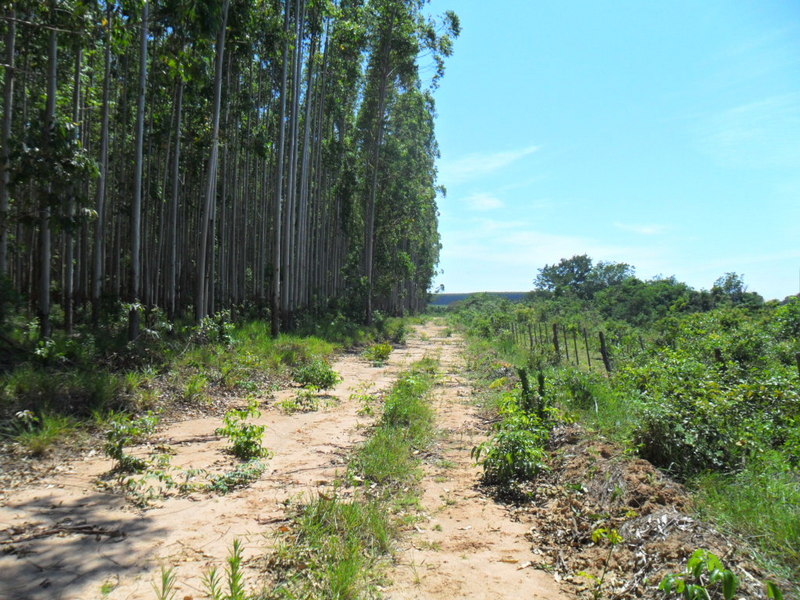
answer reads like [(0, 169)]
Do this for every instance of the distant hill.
[(447, 299)]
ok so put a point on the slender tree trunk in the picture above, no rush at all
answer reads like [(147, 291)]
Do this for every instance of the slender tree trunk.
[(277, 229), (369, 229), (136, 207), (172, 266), (69, 241), (45, 253), (5, 136), (201, 297)]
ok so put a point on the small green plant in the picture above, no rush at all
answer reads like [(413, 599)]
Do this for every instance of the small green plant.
[(245, 438), (613, 538), (123, 431), (38, 433), (511, 455), (240, 477), (305, 400), (196, 388), (378, 354), (165, 589), (318, 373), (705, 578)]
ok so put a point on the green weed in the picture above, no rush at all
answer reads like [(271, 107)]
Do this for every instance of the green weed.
[(378, 354), (245, 438), (317, 373), (123, 430), (196, 388), (704, 575), (304, 401), (240, 477)]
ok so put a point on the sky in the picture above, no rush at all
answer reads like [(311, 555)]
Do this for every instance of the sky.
[(665, 135)]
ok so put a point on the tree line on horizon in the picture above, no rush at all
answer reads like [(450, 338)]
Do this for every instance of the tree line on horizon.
[(192, 156), (614, 290)]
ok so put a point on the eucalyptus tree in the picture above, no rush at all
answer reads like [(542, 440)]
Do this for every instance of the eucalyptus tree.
[(5, 133), (247, 152), (204, 248)]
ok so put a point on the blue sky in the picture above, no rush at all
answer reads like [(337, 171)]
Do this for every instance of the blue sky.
[(661, 134)]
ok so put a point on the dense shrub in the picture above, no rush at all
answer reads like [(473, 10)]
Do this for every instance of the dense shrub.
[(317, 373)]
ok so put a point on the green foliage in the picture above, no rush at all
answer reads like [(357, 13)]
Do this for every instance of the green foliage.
[(516, 452), (241, 476), (195, 388), (761, 502), (317, 373), (38, 433), (123, 430), (165, 589), (245, 438), (704, 578), (511, 455), (304, 401), (579, 276), (378, 354), (71, 392)]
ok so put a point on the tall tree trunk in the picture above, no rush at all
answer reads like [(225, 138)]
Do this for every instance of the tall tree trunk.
[(277, 275), (5, 136), (69, 241), (172, 265), (136, 207), (369, 225), (45, 253), (201, 296)]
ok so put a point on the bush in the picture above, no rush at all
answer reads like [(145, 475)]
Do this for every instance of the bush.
[(511, 455), (378, 354), (317, 373), (246, 438)]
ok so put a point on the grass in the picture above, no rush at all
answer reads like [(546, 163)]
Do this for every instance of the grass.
[(337, 545), (762, 505), (45, 432), (71, 380)]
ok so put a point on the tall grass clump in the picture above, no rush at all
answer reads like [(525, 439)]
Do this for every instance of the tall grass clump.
[(761, 503)]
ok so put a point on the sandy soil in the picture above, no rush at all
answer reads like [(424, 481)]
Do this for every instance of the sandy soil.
[(64, 538), (469, 547)]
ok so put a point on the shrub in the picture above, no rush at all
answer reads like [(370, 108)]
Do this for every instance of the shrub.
[(378, 354), (318, 374), (123, 431), (245, 438), (511, 455)]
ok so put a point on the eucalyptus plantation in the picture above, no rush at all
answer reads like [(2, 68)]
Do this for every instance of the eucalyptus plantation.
[(271, 156)]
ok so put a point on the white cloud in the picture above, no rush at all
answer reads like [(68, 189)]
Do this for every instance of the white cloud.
[(475, 166), (641, 229), (483, 202), (761, 134)]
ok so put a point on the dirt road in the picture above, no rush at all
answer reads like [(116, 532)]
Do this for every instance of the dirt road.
[(468, 547), (65, 539)]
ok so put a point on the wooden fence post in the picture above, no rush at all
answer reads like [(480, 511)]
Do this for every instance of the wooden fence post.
[(555, 341), (797, 358), (604, 352), (586, 342), (575, 346), (566, 342), (530, 336)]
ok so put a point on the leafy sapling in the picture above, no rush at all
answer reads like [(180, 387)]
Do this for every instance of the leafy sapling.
[(704, 578), (246, 438)]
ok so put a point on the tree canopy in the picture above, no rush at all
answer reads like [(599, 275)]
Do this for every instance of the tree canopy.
[(273, 155)]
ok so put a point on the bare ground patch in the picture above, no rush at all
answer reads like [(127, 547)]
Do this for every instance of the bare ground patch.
[(61, 537)]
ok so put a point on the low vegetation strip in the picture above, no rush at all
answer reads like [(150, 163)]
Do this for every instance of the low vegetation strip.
[(337, 542), (709, 398)]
